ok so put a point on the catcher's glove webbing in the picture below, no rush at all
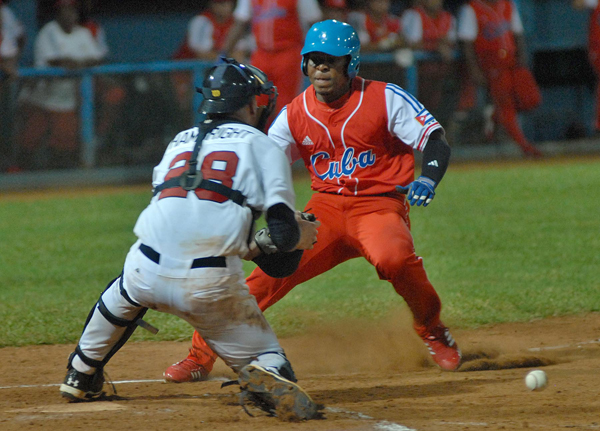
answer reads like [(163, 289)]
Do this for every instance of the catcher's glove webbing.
[(308, 216), (274, 263)]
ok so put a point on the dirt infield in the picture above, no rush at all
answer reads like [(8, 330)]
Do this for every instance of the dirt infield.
[(368, 377)]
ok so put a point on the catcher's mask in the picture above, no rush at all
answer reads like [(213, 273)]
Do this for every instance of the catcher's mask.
[(230, 85)]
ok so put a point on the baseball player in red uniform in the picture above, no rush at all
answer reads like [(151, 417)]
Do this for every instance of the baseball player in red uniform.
[(593, 46), (204, 40), (378, 29), (492, 36), (594, 55), (356, 138), (429, 27), (187, 261), (278, 27), (207, 31)]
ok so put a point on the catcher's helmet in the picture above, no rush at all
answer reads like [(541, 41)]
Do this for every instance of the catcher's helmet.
[(334, 38), (230, 85)]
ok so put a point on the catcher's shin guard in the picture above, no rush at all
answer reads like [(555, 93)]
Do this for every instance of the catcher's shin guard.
[(123, 301), (276, 395)]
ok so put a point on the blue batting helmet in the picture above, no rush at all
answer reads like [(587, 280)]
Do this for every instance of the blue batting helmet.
[(334, 38)]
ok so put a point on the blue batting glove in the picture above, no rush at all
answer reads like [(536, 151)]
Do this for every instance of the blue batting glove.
[(421, 191)]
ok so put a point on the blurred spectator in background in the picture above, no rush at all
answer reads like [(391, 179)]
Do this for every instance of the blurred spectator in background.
[(204, 40), (207, 31), (491, 32), (12, 28), (12, 41), (378, 29), (335, 9), (428, 27), (278, 27), (593, 48), (49, 135), (381, 31), (109, 90), (86, 9)]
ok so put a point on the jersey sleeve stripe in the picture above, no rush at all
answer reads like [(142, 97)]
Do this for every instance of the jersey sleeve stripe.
[(280, 112), (426, 134), (412, 101)]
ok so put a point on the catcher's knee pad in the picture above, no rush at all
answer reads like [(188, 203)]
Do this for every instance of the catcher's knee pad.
[(278, 361)]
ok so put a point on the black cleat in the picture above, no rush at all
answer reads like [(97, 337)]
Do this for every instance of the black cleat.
[(80, 387)]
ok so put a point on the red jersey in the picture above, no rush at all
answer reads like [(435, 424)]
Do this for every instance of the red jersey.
[(380, 30), (495, 40), (276, 24), (359, 145), (434, 28)]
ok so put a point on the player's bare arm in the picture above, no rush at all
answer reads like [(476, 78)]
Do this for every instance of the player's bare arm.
[(237, 31), (308, 225), (521, 50), (475, 71)]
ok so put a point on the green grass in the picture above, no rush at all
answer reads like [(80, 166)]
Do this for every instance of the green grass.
[(500, 243)]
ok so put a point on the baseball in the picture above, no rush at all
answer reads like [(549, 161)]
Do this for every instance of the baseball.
[(536, 380)]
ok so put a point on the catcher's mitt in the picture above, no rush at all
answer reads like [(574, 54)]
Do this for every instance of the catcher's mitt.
[(268, 392), (274, 263)]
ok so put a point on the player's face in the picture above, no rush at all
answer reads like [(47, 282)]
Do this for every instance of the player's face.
[(328, 76)]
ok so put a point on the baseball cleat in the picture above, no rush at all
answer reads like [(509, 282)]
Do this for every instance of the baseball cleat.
[(185, 371), (80, 387), (443, 349), (277, 395)]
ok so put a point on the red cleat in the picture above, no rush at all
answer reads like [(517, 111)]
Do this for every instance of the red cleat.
[(442, 347), (185, 371)]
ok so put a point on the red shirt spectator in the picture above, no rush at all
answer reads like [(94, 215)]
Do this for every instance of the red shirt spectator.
[(429, 27)]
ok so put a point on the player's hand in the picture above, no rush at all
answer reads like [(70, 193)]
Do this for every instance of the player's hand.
[(421, 191), (308, 230)]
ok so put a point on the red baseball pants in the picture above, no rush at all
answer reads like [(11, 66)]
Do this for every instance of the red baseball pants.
[(375, 227)]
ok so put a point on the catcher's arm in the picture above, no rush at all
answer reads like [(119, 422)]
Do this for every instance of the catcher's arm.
[(280, 264)]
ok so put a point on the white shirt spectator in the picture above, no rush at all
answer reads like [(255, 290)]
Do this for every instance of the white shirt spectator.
[(200, 36), (52, 43), (12, 30)]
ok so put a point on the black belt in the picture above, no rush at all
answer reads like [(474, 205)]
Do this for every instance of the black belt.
[(201, 262)]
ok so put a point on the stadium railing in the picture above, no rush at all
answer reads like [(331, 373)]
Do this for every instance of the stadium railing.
[(88, 106), (86, 90)]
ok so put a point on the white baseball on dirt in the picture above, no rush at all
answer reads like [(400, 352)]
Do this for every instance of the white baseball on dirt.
[(536, 380)]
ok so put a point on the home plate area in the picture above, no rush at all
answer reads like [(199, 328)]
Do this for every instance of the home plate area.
[(368, 376)]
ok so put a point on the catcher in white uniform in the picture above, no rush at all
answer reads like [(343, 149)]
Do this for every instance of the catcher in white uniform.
[(212, 183)]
